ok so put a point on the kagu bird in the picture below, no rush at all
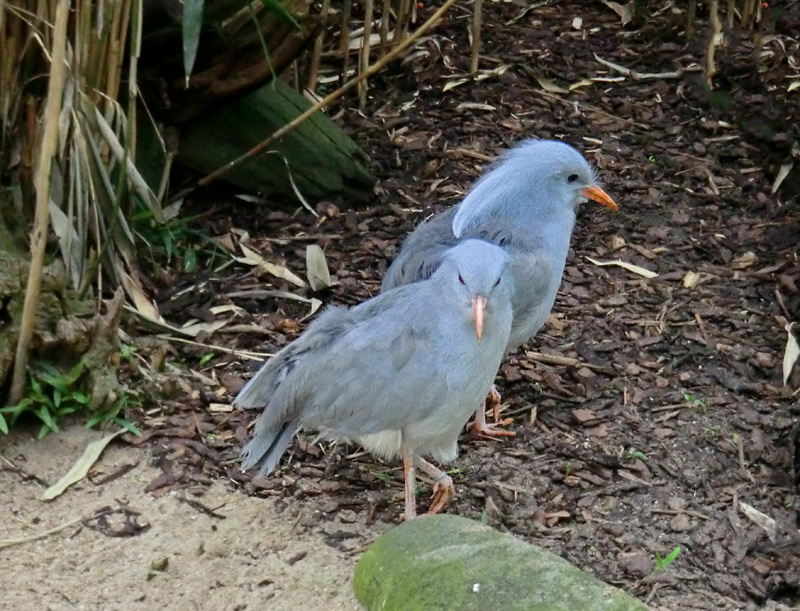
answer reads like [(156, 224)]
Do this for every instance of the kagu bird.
[(526, 204), (400, 374)]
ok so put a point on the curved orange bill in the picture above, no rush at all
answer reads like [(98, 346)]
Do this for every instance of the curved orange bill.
[(479, 307), (596, 194)]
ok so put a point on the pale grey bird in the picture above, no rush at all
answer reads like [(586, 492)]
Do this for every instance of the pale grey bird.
[(400, 374), (525, 204)]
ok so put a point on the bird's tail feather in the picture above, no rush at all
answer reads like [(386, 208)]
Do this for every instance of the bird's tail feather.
[(267, 447)]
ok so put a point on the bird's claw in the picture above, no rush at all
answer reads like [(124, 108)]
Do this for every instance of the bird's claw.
[(493, 402), (443, 493), (491, 430)]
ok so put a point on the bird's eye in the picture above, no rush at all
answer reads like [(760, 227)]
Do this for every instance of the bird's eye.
[(572, 178), (498, 282), (460, 279)]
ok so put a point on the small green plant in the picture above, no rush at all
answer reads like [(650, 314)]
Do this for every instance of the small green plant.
[(484, 519), (662, 563), (52, 394), (633, 454), (695, 402), (113, 415)]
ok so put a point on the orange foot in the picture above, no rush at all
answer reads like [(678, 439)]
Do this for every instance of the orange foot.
[(479, 426), (443, 493)]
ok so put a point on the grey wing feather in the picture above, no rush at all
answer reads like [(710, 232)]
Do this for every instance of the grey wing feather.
[(422, 252), (258, 392)]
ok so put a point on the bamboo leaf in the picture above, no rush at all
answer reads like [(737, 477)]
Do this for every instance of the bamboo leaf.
[(191, 24), (319, 277), (790, 353), (81, 467), (636, 269)]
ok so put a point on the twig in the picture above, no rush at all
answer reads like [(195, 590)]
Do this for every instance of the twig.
[(253, 356), (385, 11), (326, 101), (49, 146), (316, 54), (344, 39), (716, 28), (477, 22), (9, 542), (363, 63)]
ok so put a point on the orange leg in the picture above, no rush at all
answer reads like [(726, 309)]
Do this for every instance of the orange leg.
[(443, 489), (479, 426), (410, 485)]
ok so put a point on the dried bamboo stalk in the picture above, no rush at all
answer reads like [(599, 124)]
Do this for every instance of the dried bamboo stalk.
[(385, 12), (477, 22), (716, 28), (399, 32), (316, 53), (690, 14), (49, 146), (731, 12), (344, 40), (363, 65)]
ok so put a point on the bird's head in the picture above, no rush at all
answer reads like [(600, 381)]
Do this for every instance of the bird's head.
[(537, 177), (476, 272)]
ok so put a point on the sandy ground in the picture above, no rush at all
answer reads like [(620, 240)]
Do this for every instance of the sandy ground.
[(257, 557)]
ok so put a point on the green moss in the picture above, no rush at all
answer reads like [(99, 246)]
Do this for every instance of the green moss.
[(447, 562)]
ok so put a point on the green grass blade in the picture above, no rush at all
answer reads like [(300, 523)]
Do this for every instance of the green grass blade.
[(191, 24)]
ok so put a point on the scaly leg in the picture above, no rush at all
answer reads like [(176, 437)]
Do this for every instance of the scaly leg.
[(410, 485), (479, 426), (443, 489)]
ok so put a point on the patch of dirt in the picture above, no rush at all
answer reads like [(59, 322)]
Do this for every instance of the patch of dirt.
[(197, 547), (664, 410)]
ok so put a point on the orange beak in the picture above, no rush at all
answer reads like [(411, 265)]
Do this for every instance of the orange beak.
[(479, 307), (596, 194)]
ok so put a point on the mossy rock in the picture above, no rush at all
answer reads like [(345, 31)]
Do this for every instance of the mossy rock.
[(446, 562)]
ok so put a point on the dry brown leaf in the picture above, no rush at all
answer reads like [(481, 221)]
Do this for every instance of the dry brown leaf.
[(194, 329), (744, 261), (253, 258), (474, 106), (782, 174), (690, 280), (625, 12), (636, 269), (760, 519), (81, 467), (790, 353), (582, 83), (319, 277), (550, 86)]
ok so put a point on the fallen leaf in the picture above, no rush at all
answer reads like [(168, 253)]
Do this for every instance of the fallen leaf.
[(625, 12), (636, 269), (474, 106), (253, 258), (690, 280), (453, 84), (81, 467), (783, 172), (794, 85), (550, 86), (193, 330), (577, 22), (744, 261), (583, 83), (790, 354), (760, 519), (317, 268)]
